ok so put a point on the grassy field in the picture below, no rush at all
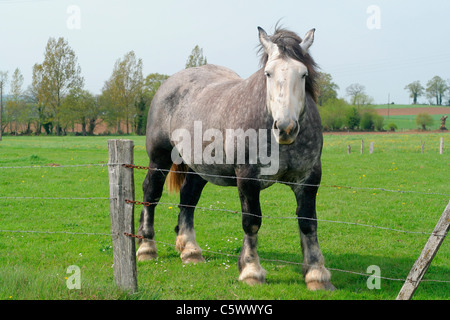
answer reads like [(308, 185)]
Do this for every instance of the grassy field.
[(408, 122), (34, 265)]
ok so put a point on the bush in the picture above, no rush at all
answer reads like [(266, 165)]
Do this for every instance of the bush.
[(332, 113), (392, 127), (366, 122), (424, 120), (352, 118), (370, 120), (379, 122)]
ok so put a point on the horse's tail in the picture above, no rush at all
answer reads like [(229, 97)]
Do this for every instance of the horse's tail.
[(176, 176)]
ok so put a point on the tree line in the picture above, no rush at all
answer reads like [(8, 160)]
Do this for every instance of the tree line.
[(358, 113), (56, 101), (435, 91)]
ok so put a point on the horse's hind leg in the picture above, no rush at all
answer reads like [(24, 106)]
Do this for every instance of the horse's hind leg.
[(317, 277), (153, 188), (189, 195)]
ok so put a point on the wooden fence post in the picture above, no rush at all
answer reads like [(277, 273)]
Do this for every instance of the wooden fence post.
[(441, 146), (362, 146), (429, 251), (371, 148), (349, 149), (121, 187)]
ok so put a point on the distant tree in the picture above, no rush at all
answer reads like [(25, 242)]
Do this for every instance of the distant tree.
[(354, 91), (35, 95), (352, 118), (196, 58), (3, 80), (392, 126), (327, 88), (15, 104), (60, 74), (121, 92), (424, 120), (333, 114), (80, 106), (436, 89), (371, 120), (151, 84), (415, 90), (358, 96)]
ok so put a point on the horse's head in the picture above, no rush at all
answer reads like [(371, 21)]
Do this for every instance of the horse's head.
[(286, 78)]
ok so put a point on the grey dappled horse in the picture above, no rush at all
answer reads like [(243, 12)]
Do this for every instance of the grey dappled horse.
[(213, 101)]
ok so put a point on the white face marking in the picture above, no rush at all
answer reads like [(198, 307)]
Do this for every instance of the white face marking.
[(285, 87), (285, 94)]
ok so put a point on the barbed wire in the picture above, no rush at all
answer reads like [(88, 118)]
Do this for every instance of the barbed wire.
[(138, 167), (56, 198), (57, 232), (57, 166), (147, 204), (131, 166), (219, 209)]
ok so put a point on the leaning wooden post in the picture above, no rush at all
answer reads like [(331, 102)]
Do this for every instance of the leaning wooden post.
[(121, 187), (429, 251)]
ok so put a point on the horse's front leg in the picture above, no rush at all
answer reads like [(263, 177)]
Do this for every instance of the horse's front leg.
[(317, 277), (250, 270)]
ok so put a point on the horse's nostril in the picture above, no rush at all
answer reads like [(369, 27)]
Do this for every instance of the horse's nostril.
[(275, 125)]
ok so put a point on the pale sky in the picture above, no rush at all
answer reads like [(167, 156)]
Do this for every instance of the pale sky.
[(381, 44)]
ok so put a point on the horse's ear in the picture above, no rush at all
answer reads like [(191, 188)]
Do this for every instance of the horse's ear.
[(269, 46), (307, 41)]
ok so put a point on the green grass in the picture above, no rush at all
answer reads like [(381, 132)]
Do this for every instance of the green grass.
[(408, 122), (33, 265)]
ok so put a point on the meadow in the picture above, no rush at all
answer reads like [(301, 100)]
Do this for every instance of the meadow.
[(408, 122), (33, 265), (404, 116)]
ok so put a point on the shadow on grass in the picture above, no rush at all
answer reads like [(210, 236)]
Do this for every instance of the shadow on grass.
[(349, 273)]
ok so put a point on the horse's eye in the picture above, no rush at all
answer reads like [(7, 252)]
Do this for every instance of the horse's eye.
[(267, 74), (304, 75)]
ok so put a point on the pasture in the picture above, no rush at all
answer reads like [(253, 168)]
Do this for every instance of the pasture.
[(33, 265), (404, 116)]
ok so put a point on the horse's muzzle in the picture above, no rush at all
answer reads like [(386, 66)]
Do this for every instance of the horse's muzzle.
[(287, 131)]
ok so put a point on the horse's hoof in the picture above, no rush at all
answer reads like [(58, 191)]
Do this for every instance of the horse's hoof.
[(147, 256), (317, 285), (147, 251), (253, 281), (192, 257), (318, 278)]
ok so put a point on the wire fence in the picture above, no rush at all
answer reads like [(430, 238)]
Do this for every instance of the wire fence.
[(166, 171)]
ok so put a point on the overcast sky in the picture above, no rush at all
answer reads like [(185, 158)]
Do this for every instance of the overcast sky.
[(381, 44)]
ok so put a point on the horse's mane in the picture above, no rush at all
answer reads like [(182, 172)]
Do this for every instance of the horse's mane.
[(288, 43)]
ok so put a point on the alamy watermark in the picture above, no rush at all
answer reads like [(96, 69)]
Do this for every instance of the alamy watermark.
[(231, 149), (373, 21), (374, 281), (73, 281), (73, 21)]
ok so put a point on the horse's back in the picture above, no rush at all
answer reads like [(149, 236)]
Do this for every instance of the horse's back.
[(178, 95), (192, 80)]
